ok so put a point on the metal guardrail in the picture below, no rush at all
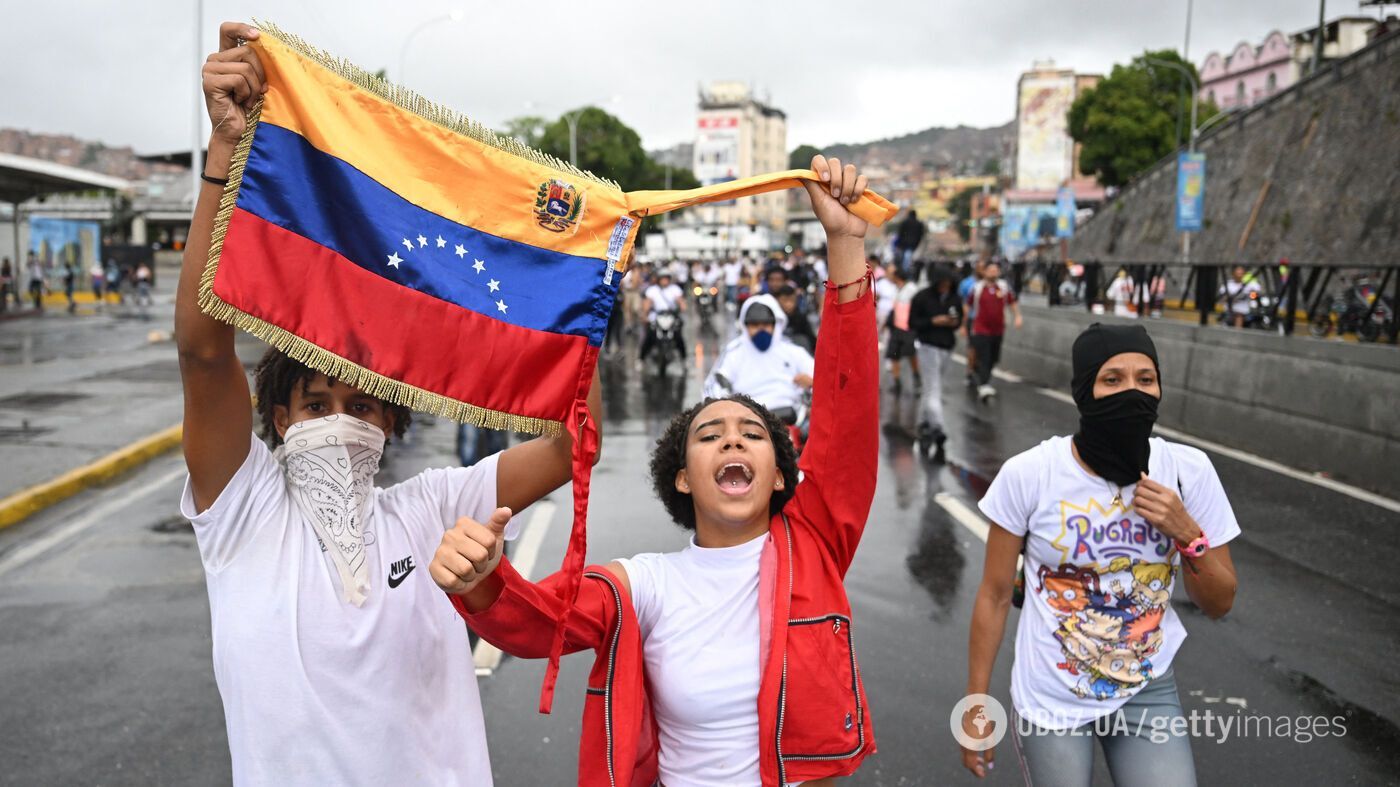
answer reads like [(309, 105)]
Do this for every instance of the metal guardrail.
[(1329, 299)]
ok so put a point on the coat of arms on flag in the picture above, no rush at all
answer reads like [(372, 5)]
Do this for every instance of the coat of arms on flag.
[(406, 250)]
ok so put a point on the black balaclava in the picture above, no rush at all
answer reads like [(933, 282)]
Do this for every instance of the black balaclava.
[(1113, 431)]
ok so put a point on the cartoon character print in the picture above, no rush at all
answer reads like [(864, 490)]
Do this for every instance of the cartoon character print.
[(1109, 622), (1067, 590)]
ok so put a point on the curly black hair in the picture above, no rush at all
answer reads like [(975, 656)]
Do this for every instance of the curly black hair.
[(668, 458), (273, 379)]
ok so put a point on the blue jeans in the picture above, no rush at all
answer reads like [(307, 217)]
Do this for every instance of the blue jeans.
[(1140, 743)]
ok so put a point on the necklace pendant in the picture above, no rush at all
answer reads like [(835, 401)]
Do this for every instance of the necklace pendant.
[(1118, 500)]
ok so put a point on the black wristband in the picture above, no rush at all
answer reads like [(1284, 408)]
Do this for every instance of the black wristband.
[(215, 181)]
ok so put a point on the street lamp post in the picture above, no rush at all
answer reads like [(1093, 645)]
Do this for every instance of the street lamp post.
[(572, 117), (1190, 138), (455, 15)]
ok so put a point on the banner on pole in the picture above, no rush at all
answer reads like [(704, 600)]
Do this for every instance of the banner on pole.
[(1190, 191)]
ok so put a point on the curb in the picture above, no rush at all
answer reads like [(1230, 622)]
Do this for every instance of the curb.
[(26, 502)]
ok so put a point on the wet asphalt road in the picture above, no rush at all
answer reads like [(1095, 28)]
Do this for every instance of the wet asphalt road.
[(104, 633)]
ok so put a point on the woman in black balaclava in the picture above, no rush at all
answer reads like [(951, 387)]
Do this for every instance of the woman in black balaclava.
[(1106, 519)]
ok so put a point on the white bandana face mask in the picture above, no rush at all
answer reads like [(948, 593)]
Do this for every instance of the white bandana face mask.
[(329, 464)]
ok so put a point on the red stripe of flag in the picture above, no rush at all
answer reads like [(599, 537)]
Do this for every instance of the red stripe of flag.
[(395, 331)]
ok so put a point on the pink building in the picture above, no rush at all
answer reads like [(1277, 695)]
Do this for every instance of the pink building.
[(1248, 74)]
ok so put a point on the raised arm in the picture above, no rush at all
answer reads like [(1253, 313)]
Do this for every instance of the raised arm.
[(529, 471), (218, 411), (839, 460)]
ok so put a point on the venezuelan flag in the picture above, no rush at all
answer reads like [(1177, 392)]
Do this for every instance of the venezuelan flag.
[(412, 253)]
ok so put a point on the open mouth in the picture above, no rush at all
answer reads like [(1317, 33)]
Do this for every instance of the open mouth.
[(735, 478)]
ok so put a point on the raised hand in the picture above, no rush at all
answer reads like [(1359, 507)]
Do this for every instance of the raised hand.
[(233, 81), (469, 552), (839, 187)]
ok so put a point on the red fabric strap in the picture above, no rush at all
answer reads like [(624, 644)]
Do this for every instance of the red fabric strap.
[(585, 435)]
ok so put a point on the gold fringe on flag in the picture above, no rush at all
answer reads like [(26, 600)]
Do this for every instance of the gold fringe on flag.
[(430, 111), (329, 363)]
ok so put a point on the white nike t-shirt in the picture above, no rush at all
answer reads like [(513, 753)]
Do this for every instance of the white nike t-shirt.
[(315, 690)]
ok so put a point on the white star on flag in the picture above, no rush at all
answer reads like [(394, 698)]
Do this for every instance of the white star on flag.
[(479, 266), (441, 242), (494, 285), (422, 241), (461, 250), (408, 244), (501, 305), (394, 260)]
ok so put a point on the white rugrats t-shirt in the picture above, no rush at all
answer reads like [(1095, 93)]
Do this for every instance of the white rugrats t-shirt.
[(315, 690), (1097, 624)]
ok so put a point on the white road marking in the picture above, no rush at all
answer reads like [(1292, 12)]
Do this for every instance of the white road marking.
[(964, 515), (967, 517), (99, 513), (485, 656), (1334, 485)]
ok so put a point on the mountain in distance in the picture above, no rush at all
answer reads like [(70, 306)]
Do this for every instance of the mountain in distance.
[(964, 149)]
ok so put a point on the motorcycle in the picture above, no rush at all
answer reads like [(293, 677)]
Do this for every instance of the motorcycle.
[(663, 349), (1353, 312), (706, 299), (1261, 313), (797, 419), (1262, 310)]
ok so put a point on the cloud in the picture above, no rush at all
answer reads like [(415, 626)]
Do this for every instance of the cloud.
[(125, 73)]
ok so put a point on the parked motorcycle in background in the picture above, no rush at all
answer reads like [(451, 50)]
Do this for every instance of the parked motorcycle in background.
[(1359, 310)]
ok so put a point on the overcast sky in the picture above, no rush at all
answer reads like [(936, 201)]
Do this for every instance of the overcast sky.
[(124, 72)]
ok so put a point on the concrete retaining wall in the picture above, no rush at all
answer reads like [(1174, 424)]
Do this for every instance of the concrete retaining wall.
[(1316, 405), (1312, 175)]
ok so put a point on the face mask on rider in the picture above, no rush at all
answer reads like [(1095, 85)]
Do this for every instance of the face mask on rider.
[(329, 464), (762, 339)]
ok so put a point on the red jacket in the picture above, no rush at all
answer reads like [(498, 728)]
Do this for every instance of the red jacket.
[(813, 717)]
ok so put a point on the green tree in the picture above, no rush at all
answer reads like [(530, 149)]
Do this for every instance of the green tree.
[(526, 128), (610, 148), (801, 156), (1127, 122), (960, 208)]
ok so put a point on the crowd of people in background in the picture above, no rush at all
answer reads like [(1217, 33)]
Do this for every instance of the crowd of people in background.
[(34, 279)]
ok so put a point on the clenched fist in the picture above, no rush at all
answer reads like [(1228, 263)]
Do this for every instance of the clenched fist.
[(469, 552)]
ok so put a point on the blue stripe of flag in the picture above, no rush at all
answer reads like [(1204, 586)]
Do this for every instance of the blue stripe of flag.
[(290, 183)]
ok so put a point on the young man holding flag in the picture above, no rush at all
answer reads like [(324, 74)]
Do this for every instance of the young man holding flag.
[(336, 661)]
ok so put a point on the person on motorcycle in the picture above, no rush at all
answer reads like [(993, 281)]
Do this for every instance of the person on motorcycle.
[(663, 296), (1236, 294), (799, 329), (761, 363)]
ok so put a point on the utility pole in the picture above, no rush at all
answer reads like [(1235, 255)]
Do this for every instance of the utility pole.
[(1191, 137), (1317, 40)]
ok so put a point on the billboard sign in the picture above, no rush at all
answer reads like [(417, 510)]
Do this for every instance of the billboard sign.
[(717, 149), (1190, 191), (1044, 150)]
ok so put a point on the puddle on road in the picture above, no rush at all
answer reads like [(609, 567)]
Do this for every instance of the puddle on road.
[(23, 432), (39, 400)]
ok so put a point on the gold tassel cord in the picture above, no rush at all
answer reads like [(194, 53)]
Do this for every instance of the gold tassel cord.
[(320, 359), (431, 111)]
